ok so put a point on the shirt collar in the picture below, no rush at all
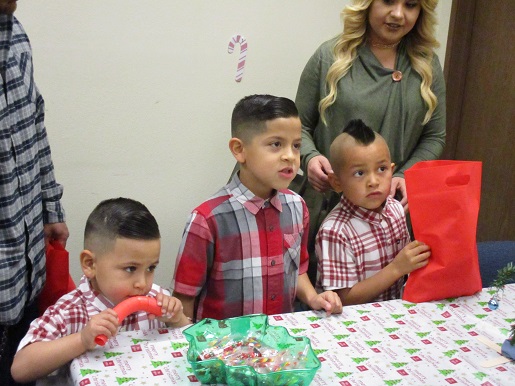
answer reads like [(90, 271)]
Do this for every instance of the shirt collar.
[(366, 214), (99, 301), (248, 199)]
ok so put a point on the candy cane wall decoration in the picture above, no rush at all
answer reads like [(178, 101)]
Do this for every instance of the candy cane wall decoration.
[(243, 54)]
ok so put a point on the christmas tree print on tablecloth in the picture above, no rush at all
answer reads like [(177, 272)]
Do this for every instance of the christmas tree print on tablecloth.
[(341, 336), (392, 382), (450, 353), (297, 330), (389, 330), (179, 345), (446, 372), (438, 322), (440, 306), (123, 380), (371, 343), (348, 323), (342, 374), (88, 371), (156, 364), (313, 318), (409, 305), (480, 375), (110, 354), (319, 351), (398, 365), (481, 316), (359, 360), (423, 334), (412, 351), (468, 326), (396, 316), (461, 342), (361, 312), (136, 341)]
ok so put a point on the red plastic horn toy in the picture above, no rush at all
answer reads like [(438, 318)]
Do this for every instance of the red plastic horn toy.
[(129, 306)]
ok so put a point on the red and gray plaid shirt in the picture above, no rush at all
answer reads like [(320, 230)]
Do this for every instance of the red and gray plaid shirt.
[(354, 243), (241, 254), (71, 313)]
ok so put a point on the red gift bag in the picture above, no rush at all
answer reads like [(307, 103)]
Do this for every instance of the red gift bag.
[(58, 280), (444, 201)]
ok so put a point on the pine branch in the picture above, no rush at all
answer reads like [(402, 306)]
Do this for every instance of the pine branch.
[(503, 276)]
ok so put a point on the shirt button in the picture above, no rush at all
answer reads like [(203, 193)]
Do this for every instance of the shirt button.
[(272, 297), (272, 263)]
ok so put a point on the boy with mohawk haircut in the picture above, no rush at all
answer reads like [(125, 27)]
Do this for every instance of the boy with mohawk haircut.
[(363, 245)]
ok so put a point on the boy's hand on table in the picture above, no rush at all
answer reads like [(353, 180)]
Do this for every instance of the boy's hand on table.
[(329, 301), (104, 323)]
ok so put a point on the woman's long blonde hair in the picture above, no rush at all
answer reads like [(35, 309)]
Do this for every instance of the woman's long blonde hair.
[(420, 43)]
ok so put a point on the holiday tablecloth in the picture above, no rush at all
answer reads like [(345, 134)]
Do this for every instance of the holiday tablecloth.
[(388, 343)]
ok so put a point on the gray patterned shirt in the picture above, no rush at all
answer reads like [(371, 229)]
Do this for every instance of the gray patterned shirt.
[(29, 194)]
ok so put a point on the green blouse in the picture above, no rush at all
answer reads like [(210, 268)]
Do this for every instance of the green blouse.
[(394, 109)]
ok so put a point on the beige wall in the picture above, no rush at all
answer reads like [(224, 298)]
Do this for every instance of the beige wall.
[(139, 94)]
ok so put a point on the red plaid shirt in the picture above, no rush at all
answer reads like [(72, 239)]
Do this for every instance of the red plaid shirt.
[(354, 243), (241, 254), (71, 313)]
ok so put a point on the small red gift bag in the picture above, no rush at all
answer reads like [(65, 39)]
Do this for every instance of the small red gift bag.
[(58, 279), (444, 201)]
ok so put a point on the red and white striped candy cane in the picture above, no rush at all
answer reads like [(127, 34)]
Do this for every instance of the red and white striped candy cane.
[(243, 54)]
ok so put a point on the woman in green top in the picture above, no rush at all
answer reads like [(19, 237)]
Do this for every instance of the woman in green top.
[(382, 69)]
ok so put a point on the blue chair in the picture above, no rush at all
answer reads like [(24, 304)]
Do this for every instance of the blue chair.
[(493, 256)]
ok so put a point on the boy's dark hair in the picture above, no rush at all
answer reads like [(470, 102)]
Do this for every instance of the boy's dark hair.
[(251, 113), (363, 134), (120, 218)]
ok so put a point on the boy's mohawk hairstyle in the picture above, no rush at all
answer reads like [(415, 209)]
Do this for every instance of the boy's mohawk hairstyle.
[(357, 129)]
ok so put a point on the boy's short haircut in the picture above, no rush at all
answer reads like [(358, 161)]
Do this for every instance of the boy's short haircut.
[(119, 218), (251, 113), (363, 134)]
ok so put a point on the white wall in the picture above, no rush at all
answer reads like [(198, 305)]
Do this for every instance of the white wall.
[(139, 94)]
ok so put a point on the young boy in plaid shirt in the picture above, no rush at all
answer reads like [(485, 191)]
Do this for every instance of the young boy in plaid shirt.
[(121, 251), (363, 245), (243, 250)]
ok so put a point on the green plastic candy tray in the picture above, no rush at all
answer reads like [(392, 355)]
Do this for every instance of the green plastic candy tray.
[(204, 334)]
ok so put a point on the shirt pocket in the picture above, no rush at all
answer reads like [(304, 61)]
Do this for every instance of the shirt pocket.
[(291, 245)]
